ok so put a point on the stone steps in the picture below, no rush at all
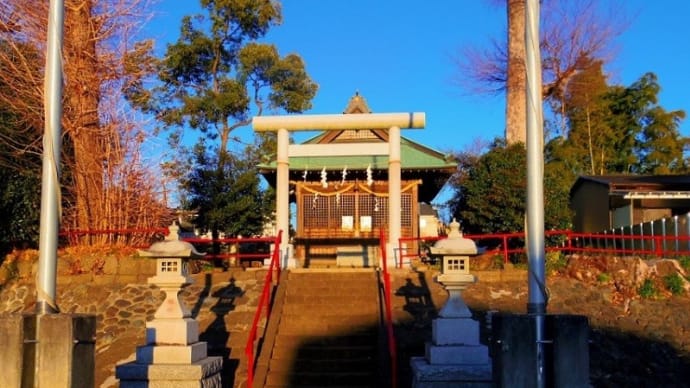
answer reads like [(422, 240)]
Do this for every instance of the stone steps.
[(328, 334)]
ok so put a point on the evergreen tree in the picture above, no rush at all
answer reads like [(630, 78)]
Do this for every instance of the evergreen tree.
[(19, 197), (617, 130), (650, 141), (211, 80), (230, 199), (217, 70), (589, 140), (491, 192)]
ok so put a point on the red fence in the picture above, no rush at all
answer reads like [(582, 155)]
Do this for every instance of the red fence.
[(508, 245), (135, 237), (511, 245), (237, 248), (245, 248)]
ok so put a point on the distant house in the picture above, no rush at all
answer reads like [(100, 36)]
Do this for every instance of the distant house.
[(429, 224), (611, 201)]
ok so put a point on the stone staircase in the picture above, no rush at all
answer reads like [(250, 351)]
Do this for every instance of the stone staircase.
[(329, 332)]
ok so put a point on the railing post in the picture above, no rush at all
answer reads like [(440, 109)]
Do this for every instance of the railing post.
[(675, 232), (663, 234), (642, 244), (505, 249), (687, 223), (659, 251), (606, 241), (653, 239)]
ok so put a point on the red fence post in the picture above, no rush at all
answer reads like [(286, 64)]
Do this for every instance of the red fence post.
[(505, 249), (659, 248)]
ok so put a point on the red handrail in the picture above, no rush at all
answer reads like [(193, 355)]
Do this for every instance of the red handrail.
[(401, 250), (392, 351), (232, 240), (263, 303)]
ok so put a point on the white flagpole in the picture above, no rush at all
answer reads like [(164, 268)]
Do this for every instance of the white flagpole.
[(535, 185), (50, 183)]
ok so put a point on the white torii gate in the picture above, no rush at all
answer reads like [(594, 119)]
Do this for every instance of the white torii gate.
[(393, 122)]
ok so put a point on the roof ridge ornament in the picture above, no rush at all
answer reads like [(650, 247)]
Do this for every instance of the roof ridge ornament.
[(357, 104)]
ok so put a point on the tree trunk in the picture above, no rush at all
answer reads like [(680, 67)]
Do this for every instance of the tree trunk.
[(81, 113), (516, 81)]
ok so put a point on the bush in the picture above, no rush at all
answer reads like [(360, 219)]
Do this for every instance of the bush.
[(685, 262), (648, 290), (674, 283), (603, 277), (555, 261)]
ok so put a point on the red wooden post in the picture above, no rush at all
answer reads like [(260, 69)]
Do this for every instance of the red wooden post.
[(505, 249)]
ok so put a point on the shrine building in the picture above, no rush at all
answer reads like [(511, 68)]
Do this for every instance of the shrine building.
[(342, 200)]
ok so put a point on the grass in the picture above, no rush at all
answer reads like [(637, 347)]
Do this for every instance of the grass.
[(674, 283), (685, 262), (648, 290), (604, 277)]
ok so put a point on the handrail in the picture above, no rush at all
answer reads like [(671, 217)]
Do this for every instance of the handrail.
[(401, 250), (235, 241), (264, 302), (392, 350)]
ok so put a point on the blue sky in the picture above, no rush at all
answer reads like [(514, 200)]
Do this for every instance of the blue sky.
[(398, 55)]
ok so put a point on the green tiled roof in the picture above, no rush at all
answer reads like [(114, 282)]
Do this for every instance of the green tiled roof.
[(414, 156)]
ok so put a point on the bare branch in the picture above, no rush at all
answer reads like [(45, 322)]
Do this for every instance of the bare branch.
[(101, 137)]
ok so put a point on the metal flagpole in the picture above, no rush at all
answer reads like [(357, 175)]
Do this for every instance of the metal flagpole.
[(535, 185), (50, 184)]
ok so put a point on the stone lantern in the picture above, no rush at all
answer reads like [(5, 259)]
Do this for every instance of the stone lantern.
[(455, 252), (454, 357), (173, 354)]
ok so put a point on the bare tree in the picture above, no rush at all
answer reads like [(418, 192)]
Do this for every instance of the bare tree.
[(101, 138), (573, 34)]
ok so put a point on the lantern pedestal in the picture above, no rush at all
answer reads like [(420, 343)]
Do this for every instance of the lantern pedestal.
[(454, 357), (173, 354)]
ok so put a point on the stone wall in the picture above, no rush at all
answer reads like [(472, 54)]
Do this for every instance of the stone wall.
[(223, 302)]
